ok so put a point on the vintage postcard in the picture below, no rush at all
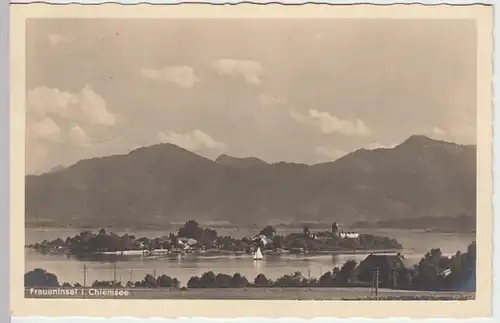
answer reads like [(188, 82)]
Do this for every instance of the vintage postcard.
[(251, 160)]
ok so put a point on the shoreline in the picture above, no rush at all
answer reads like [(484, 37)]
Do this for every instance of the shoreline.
[(215, 253)]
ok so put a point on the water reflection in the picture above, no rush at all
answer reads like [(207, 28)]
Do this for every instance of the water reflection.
[(257, 264)]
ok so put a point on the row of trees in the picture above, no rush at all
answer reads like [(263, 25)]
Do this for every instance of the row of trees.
[(428, 274), (149, 281), (41, 278)]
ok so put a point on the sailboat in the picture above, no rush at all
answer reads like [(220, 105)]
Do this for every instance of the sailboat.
[(258, 255)]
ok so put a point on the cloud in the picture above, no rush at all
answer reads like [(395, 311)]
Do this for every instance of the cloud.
[(86, 105), (328, 124), (459, 133), (55, 39), (78, 136), (438, 131), (378, 145), (46, 129), (330, 153), (251, 71), (57, 120), (94, 107), (193, 141), (183, 76)]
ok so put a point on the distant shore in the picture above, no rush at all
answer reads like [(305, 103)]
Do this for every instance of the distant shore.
[(35, 226), (444, 224), (168, 226)]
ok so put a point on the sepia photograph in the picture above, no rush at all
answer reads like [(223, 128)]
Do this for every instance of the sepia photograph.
[(279, 156)]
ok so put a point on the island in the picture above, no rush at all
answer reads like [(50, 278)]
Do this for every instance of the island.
[(191, 238)]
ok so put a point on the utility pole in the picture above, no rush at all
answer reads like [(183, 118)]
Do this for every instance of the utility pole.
[(114, 280), (130, 274), (84, 281), (376, 282), (373, 282)]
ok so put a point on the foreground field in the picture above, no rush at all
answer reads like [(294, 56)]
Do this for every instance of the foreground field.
[(245, 293)]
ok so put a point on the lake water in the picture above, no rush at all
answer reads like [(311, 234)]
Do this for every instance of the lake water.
[(71, 270)]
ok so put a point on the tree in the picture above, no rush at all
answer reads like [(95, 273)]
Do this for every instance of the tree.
[(278, 242), (167, 281), (268, 231), (150, 281), (207, 279), (191, 229), (471, 255), (238, 281), (208, 237), (222, 281), (327, 280), (429, 270), (347, 272), (194, 282), (294, 280), (261, 281), (299, 243), (40, 278), (127, 242), (404, 278)]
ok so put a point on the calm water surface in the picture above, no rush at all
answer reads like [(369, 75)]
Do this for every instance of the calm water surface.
[(72, 270)]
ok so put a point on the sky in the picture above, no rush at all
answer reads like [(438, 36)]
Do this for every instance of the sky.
[(295, 90)]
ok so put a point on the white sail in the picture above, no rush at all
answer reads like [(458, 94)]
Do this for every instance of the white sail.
[(258, 255)]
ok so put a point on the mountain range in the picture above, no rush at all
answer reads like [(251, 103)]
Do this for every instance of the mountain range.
[(161, 184)]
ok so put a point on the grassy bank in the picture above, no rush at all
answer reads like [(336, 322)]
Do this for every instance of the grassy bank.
[(289, 293)]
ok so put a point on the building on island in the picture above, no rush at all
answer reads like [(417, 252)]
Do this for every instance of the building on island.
[(337, 230), (349, 235)]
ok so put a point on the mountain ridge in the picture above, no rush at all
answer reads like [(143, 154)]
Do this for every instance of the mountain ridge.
[(164, 183)]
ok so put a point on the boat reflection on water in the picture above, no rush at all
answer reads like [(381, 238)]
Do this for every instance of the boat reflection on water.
[(258, 264)]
